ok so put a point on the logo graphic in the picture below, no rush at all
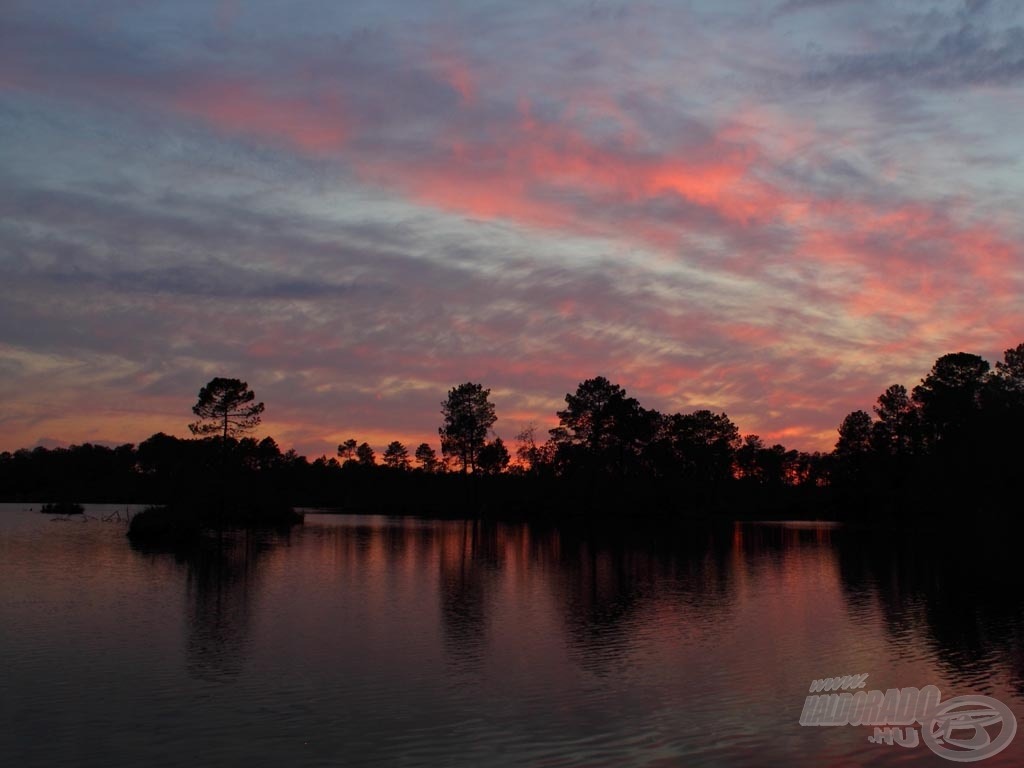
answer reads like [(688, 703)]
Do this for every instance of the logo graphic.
[(963, 729), (975, 715)]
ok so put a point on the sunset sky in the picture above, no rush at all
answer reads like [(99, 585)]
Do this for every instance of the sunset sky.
[(773, 209)]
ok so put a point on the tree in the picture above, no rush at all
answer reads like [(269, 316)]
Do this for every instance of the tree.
[(898, 429), (770, 466), (1010, 370), (747, 466), (468, 417), (1003, 423), (225, 408), (532, 457), (1004, 389), (854, 435), (396, 456), (853, 455), (601, 428), (700, 446), (426, 457), (365, 457), (494, 457), (347, 450), (267, 455), (949, 395)]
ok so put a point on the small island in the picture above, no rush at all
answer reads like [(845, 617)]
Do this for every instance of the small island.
[(62, 508), (218, 495), (179, 525)]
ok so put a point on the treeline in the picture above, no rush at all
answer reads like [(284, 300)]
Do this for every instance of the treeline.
[(952, 441), (170, 470), (609, 450), (608, 454)]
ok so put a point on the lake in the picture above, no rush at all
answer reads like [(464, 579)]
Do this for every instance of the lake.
[(367, 640)]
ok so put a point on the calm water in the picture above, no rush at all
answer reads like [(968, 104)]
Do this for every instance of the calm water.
[(382, 641)]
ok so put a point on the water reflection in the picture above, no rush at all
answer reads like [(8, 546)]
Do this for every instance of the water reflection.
[(606, 586), (469, 558), (378, 641), (222, 580), (601, 583), (612, 584), (959, 591)]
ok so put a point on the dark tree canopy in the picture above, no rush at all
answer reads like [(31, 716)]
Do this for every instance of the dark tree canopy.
[(746, 456), (347, 450), (854, 435), (950, 394), (898, 429), (365, 455), (468, 417), (597, 415), (494, 457), (601, 428), (226, 407), (763, 465), (533, 457), (1004, 389), (952, 442), (426, 457), (951, 447), (1010, 370), (699, 446), (396, 456)]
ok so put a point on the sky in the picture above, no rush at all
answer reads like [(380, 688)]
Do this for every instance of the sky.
[(773, 209)]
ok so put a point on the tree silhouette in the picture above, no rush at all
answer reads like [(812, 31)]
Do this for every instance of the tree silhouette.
[(532, 457), (1003, 422), (949, 395), (854, 435), (468, 417), (601, 429), (952, 446), (1004, 389), (427, 458), (225, 407), (494, 457), (698, 447), (396, 456), (1011, 368), (365, 456), (763, 465), (898, 429), (347, 450)]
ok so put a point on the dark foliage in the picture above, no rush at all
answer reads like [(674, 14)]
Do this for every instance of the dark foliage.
[(952, 443), (951, 446), (181, 526), (226, 407), (468, 417)]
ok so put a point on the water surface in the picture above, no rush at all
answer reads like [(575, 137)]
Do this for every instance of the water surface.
[(385, 641)]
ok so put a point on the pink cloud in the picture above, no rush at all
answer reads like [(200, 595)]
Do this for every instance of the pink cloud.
[(541, 174), (315, 125), (456, 72)]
